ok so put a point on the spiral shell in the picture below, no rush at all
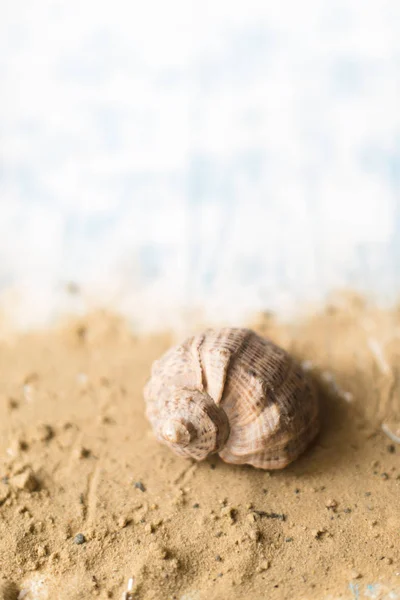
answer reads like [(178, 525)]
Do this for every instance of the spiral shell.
[(232, 392)]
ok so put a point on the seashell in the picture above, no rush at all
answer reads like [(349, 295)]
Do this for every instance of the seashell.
[(230, 391)]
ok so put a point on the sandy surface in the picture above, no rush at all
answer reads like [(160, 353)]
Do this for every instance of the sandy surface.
[(88, 498)]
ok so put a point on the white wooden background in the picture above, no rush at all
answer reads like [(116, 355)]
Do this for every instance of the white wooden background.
[(226, 155)]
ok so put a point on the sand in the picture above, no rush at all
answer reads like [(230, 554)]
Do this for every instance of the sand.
[(88, 498)]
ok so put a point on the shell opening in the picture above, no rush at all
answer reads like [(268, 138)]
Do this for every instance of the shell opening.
[(175, 432)]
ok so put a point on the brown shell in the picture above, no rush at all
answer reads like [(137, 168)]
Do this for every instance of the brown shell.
[(232, 392)]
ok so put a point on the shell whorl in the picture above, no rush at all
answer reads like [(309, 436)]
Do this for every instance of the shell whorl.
[(232, 392), (174, 431), (189, 422)]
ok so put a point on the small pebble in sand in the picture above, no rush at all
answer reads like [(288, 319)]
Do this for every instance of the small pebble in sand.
[(79, 539), (355, 574), (255, 535), (196, 505), (374, 522), (20, 510), (41, 551), (384, 476), (157, 551), (391, 448), (318, 533), (228, 511), (17, 446), (331, 503), (43, 433), (25, 481), (139, 486), (82, 452), (54, 557), (179, 499), (264, 566), (122, 522), (218, 558)]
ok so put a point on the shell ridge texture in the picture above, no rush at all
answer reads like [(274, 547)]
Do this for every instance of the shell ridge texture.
[(233, 392)]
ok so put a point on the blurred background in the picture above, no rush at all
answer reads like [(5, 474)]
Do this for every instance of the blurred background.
[(162, 158)]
